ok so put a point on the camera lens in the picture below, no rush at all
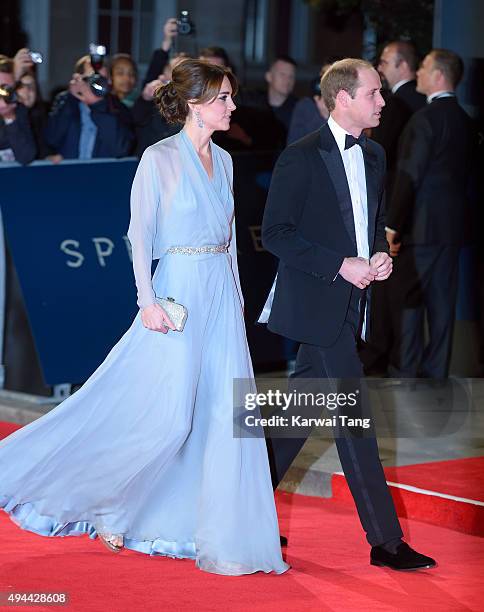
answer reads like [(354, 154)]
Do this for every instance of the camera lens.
[(184, 25)]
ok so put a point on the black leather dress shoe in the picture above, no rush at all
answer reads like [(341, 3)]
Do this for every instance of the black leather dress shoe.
[(283, 541), (404, 559)]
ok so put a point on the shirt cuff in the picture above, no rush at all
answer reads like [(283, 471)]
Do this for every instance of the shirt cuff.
[(389, 229)]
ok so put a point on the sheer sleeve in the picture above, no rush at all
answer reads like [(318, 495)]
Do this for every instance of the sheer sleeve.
[(233, 244), (145, 199)]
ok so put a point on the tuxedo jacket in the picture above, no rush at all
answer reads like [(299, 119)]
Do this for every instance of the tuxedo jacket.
[(409, 95), (429, 204), (308, 224), (398, 109)]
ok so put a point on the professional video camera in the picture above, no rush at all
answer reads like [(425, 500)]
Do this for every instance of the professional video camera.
[(99, 85), (184, 25)]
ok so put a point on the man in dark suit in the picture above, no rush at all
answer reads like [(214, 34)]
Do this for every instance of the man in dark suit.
[(397, 65), (428, 220), (324, 220)]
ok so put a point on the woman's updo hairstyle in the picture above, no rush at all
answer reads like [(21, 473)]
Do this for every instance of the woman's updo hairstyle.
[(192, 80)]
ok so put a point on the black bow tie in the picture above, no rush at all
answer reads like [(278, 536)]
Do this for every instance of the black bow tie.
[(351, 140)]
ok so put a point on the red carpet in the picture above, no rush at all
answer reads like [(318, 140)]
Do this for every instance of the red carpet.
[(7, 428), (445, 493), (327, 551)]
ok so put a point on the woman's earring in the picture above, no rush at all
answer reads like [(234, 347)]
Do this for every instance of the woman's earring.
[(199, 119)]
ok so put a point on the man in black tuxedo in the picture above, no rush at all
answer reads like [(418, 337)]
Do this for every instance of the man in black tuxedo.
[(324, 220), (397, 65), (428, 220)]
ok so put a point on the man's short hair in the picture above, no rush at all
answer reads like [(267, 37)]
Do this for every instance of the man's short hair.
[(450, 64), (6, 64), (405, 51), (283, 58), (216, 52), (342, 75)]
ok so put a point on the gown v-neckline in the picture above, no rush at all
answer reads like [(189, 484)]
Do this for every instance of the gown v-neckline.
[(209, 178)]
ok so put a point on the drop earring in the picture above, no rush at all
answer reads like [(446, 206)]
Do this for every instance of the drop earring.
[(199, 119)]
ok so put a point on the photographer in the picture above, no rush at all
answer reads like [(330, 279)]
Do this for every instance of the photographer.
[(149, 124), (160, 56), (124, 74), (83, 125), (17, 141)]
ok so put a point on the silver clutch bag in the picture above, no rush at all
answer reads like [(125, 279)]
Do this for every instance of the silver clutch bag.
[(177, 312)]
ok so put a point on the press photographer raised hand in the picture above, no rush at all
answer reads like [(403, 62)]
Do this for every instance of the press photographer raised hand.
[(81, 90)]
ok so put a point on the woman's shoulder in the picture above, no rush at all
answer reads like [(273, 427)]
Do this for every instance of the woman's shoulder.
[(165, 149)]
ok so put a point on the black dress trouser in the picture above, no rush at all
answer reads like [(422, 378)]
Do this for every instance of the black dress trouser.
[(424, 282), (358, 454)]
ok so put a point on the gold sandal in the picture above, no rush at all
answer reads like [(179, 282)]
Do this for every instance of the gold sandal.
[(108, 540)]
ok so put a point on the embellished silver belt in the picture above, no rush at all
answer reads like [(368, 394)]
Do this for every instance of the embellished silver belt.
[(185, 250)]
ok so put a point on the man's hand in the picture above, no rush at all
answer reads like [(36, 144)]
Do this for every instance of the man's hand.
[(394, 242), (383, 263), (170, 31), (55, 159), (22, 63), (358, 271), (81, 90)]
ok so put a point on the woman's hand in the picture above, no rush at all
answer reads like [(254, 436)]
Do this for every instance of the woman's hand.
[(156, 319)]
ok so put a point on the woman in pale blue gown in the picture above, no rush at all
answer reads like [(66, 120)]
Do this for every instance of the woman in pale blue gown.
[(144, 455)]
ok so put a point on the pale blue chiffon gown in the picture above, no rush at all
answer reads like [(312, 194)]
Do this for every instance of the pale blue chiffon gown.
[(146, 447)]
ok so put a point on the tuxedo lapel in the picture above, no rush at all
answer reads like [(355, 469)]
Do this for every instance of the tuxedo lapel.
[(371, 175), (331, 156)]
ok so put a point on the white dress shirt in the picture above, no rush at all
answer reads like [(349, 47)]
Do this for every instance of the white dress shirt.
[(354, 165), (444, 93), (397, 86)]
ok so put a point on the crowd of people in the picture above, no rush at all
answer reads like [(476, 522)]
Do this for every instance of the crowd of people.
[(82, 122)]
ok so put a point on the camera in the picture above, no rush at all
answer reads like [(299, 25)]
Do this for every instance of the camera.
[(99, 85), (8, 94), (184, 25)]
